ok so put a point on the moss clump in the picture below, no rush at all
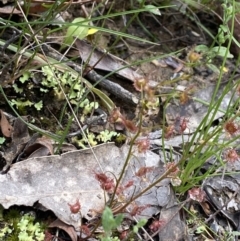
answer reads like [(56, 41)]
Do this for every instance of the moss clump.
[(93, 139), (17, 227)]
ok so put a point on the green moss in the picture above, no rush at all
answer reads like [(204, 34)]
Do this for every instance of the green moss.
[(104, 137), (17, 227)]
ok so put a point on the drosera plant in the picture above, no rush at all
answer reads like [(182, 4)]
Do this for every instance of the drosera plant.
[(189, 164), (208, 141), (204, 144)]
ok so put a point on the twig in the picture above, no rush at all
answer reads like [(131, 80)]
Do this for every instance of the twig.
[(113, 88)]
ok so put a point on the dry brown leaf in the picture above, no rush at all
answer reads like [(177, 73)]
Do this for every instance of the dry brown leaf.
[(67, 228), (47, 142), (105, 61), (38, 147), (5, 126), (20, 138)]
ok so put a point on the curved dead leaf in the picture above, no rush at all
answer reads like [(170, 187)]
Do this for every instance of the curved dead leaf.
[(39, 147), (67, 228), (5, 126)]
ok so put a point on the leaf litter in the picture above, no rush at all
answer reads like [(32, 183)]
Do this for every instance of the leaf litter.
[(6, 128), (55, 181), (70, 170)]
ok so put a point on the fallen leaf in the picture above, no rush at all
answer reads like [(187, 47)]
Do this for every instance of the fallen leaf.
[(55, 181), (173, 228), (38, 147), (20, 137), (105, 61), (67, 228), (5, 126), (196, 109)]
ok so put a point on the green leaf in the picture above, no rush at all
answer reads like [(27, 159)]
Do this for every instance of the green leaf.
[(23, 236), (235, 233), (40, 236), (108, 221), (48, 71), (26, 75), (141, 223), (91, 139), (22, 225), (224, 28), (221, 51), (214, 68), (76, 30), (89, 107), (118, 220), (17, 90), (106, 135), (20, 103), (84, 103), (106, 101), (44, 90), (38, 105), (202, 48), (135, 229), (200, 229), (2, 140), (153, 9)]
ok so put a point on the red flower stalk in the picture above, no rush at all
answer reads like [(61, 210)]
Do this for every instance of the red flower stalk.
[(183, 124), (121, 188), (180, 124), (130, 126), (124, 234), (150, 93), (85, 229)]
